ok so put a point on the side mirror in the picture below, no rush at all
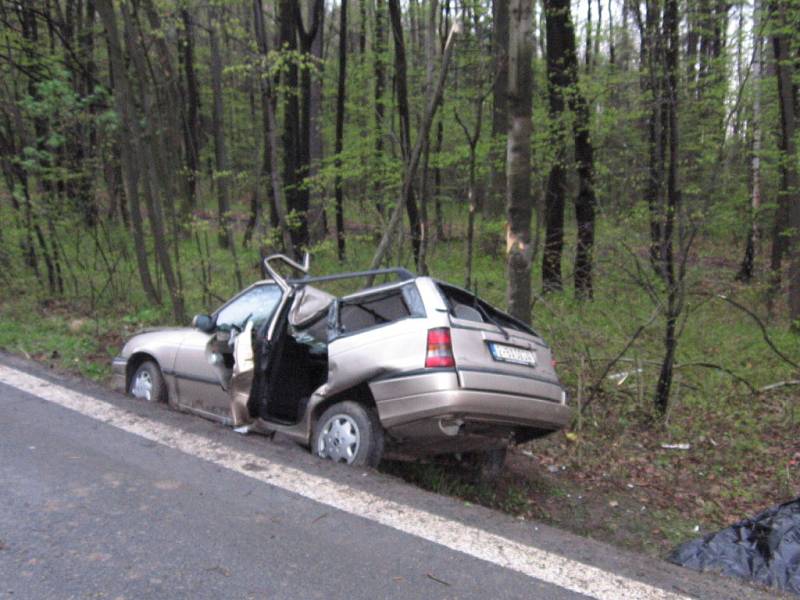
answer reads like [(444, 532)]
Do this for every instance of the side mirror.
[(203, 323)]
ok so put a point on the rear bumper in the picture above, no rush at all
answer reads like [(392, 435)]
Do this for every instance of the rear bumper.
[(438, 395), (118, 373), (473, 405)]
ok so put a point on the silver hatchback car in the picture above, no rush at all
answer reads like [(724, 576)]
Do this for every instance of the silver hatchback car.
[(415, 367)]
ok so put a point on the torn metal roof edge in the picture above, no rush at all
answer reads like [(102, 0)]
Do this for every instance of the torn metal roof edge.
[(401, 273)]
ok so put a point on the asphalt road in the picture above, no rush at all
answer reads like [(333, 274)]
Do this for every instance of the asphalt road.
[(92, 510)]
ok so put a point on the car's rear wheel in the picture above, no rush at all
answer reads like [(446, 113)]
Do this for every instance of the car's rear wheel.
[(147, 383), (349, 432)]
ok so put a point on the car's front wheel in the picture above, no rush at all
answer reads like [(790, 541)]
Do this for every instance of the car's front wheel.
[(147, 383), (349, 432)]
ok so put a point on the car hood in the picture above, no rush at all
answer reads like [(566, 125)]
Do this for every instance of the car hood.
[(182, 330), (154, 338)]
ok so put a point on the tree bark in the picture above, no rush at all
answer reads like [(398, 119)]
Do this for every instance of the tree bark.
[(307, 38), (380, 84), (746, 269), (270, 168), (651, 86), (558, 81), (222, 175), (296, 199), (788, 214), (128, 141), (266, 174), (191, 120), (674, 301), (472, 191), (152, 163), (401, 82), (340, 98), (496, 200), (519, 206), (430, 75), (413, 163), (317, 222)]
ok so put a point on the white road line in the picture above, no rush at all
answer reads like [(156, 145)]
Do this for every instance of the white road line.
[(534, 562)]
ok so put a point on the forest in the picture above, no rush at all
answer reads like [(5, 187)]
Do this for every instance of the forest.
[(622, 174)]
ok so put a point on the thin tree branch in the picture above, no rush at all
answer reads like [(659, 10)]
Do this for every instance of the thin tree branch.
[(614, 361), (763, 328), (779, 384), (707, 365), (413, 163)]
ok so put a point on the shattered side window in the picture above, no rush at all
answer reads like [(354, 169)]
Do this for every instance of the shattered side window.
[(369, 311), (466, 306), (257, 303)]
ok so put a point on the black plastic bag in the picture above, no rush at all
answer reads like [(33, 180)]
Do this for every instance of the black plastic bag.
[(764, 549)]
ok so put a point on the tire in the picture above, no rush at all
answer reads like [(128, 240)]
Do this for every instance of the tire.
[(147, 383), (349, 432), (487, 465)]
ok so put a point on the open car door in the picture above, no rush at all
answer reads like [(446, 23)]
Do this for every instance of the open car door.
[(241, 381), (272, 369)]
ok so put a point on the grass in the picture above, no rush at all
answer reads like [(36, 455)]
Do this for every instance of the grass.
[(609, 476)]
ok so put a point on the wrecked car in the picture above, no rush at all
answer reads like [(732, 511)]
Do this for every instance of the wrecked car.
[(415, 366)]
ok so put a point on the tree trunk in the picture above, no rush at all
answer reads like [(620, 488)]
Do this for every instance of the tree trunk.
[(316, 217), (430, 75), (413, 163), (674, 302), (152, 163), (437, 184), (167, 146), (495, 202), (597, 33), (86, 135), (362, 29), (222, 175), (302, 195), (270, 168), (191, 120), (291, 139), (746, 269), (788, 214), (266, 175), (558, 80), (472, 191), (518, 162), (128, 141), (380, 83), (401, 83), (586, 200), (587, 58), (340, 98), (651, 86), (612, 40)]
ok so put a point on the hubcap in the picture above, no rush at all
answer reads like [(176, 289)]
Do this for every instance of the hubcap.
[(339, 439), (142, 385)]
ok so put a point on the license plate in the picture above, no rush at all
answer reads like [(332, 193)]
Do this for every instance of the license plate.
[(512, 354)]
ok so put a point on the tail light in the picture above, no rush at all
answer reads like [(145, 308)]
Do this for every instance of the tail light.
[(440, 349)]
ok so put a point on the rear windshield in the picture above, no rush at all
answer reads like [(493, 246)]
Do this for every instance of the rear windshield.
[(363, 312), (466, 306)]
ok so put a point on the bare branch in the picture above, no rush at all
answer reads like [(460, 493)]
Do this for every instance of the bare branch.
[(779, 384), (763, 328), (616, 359), (707, 365)]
